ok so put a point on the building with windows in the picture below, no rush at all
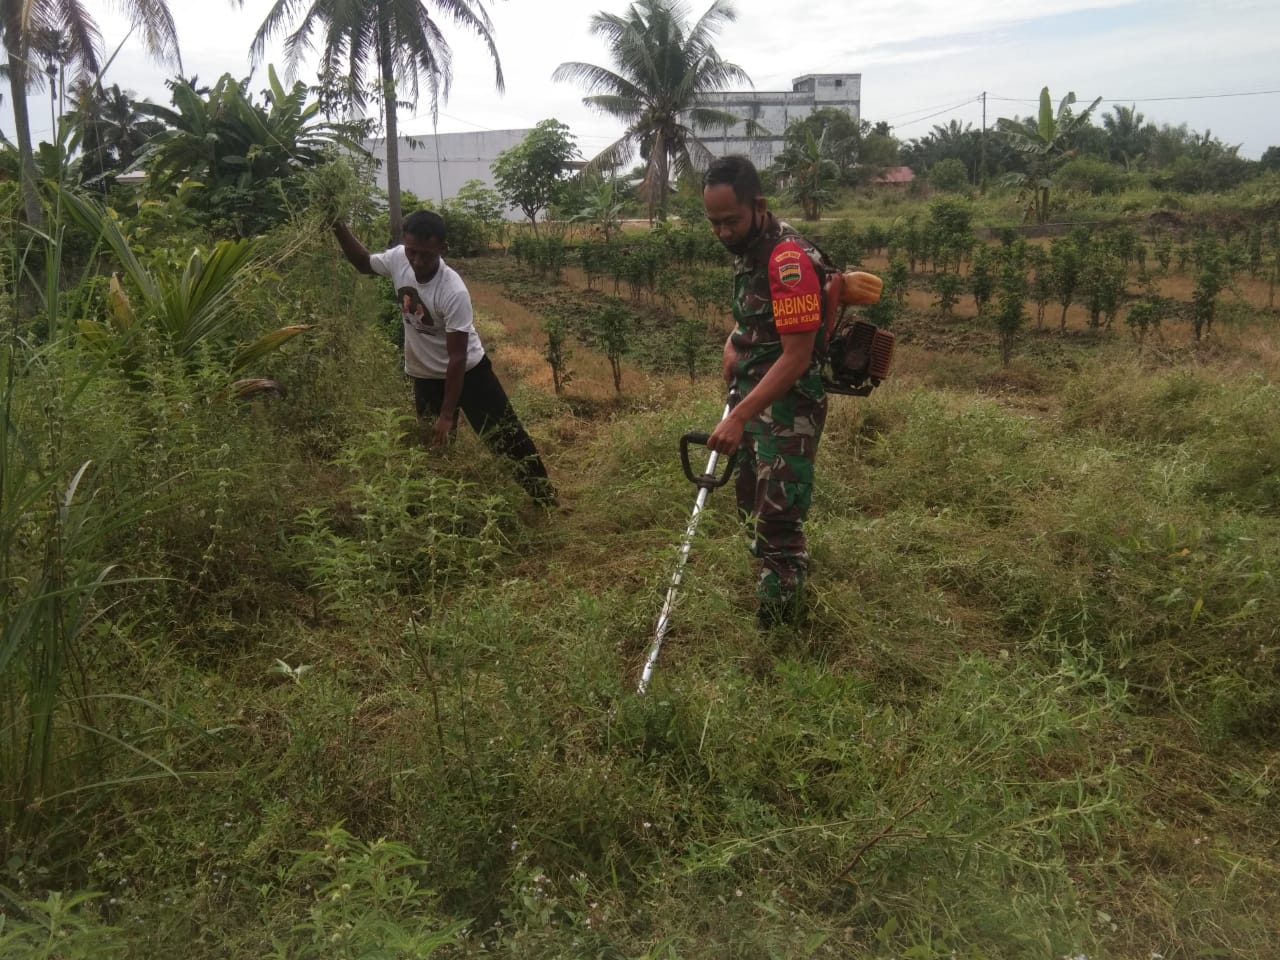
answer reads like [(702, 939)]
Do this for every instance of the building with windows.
[(766, 115)]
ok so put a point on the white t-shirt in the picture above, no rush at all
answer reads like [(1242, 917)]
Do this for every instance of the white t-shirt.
[(447, 304)]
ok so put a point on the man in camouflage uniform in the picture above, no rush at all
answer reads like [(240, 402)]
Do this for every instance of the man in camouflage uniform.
[(773, 358)]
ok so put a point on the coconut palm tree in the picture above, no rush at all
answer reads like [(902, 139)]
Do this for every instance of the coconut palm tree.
[(26, 24), (663, 70), (112, 130), (399, 37)]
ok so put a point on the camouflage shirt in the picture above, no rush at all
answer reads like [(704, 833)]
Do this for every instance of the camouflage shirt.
[(777, 290)]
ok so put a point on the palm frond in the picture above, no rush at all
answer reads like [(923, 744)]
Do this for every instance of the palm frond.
[(613, 156), (67, 35), (153, 20), (595, 78), (705, 118), (621, 108)]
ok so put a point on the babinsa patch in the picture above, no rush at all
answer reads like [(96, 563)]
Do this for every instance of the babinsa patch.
[(788, 264)]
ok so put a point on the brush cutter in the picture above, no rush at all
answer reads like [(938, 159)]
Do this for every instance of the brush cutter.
[(707, 481)]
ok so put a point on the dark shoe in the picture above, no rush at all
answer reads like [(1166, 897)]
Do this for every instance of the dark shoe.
[(770, 618), (787, 614), (543, 493)]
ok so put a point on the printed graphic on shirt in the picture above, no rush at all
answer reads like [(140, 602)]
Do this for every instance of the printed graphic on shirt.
[(795, 290), (416, 312)]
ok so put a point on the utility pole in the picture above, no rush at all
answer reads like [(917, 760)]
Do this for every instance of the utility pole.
[(435, 138), (982, 175)]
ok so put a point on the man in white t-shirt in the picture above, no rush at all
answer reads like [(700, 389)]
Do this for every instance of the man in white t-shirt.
[(442, 351)]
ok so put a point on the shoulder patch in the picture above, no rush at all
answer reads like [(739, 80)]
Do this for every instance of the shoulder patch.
[(795, 289)]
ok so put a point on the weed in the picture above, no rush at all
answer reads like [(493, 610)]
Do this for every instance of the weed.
[(361, 898), (57, 928), (1031, 712), (403, 528)]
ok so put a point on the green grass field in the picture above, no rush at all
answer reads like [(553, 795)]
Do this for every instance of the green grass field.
[(354, 698)]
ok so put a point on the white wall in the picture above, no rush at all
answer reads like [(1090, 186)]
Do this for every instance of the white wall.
[(462, 157)]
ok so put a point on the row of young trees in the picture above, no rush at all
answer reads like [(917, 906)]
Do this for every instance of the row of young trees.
[(1115, 274), (660, 294), (1096, 270)]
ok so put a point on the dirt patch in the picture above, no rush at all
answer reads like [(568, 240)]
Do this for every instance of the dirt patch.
[(518, 344), (522, 325)]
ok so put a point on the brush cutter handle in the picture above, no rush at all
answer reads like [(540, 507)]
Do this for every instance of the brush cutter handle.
[(708, 480)]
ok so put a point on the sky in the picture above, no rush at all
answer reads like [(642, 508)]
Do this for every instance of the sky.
[(1213, 66)]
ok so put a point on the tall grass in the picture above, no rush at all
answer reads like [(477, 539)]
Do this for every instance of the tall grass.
[(56, 741), (68, 516), (1032, 712)]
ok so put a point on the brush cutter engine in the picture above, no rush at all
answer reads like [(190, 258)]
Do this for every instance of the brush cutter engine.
[(858, 354), (858, 358)]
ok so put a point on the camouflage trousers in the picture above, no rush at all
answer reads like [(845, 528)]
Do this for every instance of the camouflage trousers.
[(774, 489)]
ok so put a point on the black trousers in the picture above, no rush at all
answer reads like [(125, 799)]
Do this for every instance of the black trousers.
[(491, 415)]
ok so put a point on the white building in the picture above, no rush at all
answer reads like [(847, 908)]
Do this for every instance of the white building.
[(435, 166), (773, 111)]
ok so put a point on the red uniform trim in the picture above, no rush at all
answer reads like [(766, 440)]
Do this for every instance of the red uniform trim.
[(795, 289)]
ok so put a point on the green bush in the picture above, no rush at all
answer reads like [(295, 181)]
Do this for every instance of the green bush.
[(409, 530), (949, 176), (1190, 174), (57, 928), (358, 900), (1090, 175)]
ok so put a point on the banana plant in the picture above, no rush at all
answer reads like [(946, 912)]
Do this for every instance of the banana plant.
[(810, 173), (186, 308), (603, 208), (1045, 144), (227, 139), (245, 154)]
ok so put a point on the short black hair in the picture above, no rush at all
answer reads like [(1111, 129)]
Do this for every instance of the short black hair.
[(737, 172), (425, 224)]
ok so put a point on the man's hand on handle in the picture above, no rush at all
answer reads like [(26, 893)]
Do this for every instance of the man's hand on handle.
[(727, 436), (797, 350)]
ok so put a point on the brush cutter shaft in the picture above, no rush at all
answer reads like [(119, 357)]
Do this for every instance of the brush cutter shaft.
[(669, 604), (664, 618)]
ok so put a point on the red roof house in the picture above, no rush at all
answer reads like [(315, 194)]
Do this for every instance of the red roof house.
[(895, 177)]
